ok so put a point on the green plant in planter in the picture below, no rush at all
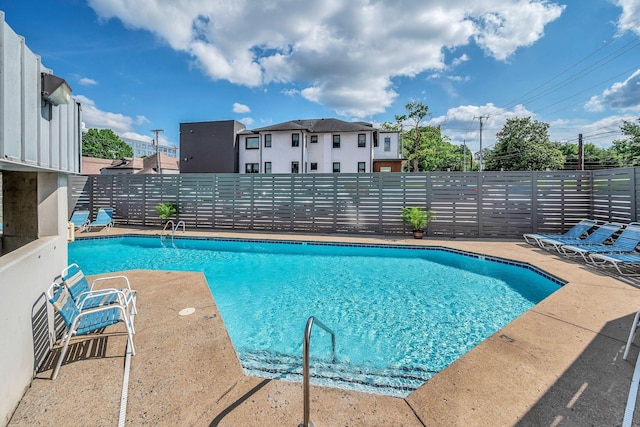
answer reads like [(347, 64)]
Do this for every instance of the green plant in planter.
[(417, 218), (166, 210)]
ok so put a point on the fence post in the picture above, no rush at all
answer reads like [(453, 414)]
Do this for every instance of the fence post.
[(534, 201), (633, 201), (480, 213), (380, 177)]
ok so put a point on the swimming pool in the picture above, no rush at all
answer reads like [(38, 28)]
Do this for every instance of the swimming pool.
[(400, 314)]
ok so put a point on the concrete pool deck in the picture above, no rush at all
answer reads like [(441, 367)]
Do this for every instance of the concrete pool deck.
[(559, 364)]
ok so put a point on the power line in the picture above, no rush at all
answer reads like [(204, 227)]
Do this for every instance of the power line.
[(572, 78)]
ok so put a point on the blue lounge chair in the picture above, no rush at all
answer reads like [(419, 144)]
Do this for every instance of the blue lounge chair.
[(574, 232), (80, 220), (600, 235), (81, 322), (87, 297), (625, 243), (627, 260), (104, 218)]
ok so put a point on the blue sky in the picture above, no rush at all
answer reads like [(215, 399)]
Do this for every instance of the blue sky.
[(137, 65)]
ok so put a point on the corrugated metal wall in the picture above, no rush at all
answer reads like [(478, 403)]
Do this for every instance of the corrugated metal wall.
[(41, 135), (487, 204)]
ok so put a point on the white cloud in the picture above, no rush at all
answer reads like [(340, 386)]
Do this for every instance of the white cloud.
[(241, 108), (247, 121), (622, 96), (86, 81), (459, 60), (630, 16), (462, 123), (93, 117), (345, 54)]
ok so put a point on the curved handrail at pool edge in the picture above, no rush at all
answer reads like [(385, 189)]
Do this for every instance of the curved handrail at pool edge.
[(305, 364)]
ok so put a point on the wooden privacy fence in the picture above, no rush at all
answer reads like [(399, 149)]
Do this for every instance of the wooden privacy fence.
[(473, 204)]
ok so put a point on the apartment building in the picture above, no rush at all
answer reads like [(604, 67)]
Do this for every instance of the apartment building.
[(209, 147), (296, 146), (315, 146), (148, 148)]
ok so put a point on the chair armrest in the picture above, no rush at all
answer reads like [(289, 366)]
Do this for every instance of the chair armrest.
[(103, 279), (84, 296)]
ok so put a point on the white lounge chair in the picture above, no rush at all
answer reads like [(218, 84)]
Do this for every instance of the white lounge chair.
[(80, 220), (625, 243), (574, 232), (81, 322), (600, 235), (625, 260), (87, 297), (104, 218)]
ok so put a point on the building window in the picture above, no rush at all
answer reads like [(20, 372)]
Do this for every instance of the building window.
[(251, 168), (252, 143), (336, 167), (362, 140), (387, 144), (295, 139), (267, 167), (314, 166), (336, 141), (267, 140), (295, 167), (314, 139), (361, 167)]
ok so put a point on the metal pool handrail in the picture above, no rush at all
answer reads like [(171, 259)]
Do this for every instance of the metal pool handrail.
[(165, 227), (306, 422), (174, 228)]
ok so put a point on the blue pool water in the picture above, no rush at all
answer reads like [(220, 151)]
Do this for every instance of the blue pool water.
[(400, 315)]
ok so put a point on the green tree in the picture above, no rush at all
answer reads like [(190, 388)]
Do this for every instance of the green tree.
[(594, 157), (414, 149), (523, 144), (629, 148), (104, 144), (438, 153)]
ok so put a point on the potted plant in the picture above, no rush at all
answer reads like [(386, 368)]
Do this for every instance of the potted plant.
[(166, 210), (417, 218)]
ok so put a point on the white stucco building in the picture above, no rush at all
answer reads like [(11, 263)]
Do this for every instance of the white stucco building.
[(318, 146)]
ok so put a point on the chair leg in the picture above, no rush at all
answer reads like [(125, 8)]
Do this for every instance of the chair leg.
[(62, 354), (133, 349), (632, 335)]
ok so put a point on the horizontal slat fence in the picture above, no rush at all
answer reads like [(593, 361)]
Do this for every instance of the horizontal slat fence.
[(466, 204)]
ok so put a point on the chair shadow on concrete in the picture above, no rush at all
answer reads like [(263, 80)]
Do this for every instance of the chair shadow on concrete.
[(594, 389), (46, 355)]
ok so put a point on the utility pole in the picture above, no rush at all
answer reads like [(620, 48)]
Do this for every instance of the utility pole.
[(157, 142), (481, 124), (580, 153), (464, 155)]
